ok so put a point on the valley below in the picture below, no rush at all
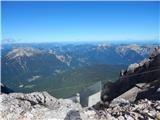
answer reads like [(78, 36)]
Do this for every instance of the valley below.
[(66, 69)]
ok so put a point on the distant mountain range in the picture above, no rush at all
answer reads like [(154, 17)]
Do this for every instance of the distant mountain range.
[(29, 67)]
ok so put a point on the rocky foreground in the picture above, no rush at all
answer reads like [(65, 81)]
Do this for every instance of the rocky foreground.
[(131, 97), (42, 106)]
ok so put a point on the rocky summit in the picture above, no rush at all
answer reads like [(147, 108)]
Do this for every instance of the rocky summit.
[(135, 96), (42, 106)]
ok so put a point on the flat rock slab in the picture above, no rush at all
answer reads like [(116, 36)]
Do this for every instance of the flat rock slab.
[(131, 94)]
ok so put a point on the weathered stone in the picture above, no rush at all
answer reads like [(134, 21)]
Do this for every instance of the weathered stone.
[(119, 102), (132, 67), (121, 118)]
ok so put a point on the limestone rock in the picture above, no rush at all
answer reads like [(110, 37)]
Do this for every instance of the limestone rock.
[(37, 106)]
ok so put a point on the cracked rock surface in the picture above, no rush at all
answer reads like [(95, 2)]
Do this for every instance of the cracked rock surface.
[(42, 106)]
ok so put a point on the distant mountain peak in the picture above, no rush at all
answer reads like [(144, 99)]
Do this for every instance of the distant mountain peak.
[(21, 52), (135, 48)]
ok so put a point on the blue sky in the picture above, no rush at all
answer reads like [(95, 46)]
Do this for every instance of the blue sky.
[(80, 21)]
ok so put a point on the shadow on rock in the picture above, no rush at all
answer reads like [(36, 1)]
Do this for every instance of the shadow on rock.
[(73, 115)]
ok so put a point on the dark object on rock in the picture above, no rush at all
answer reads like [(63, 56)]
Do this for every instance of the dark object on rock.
[(5, 89)]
